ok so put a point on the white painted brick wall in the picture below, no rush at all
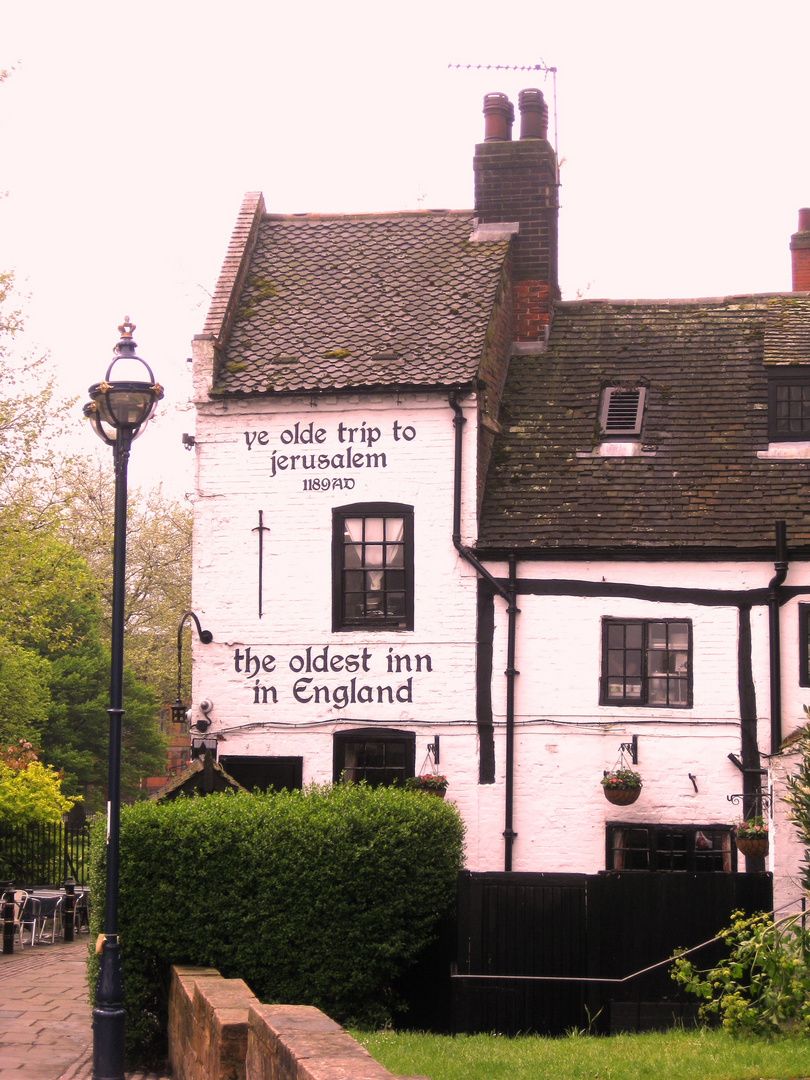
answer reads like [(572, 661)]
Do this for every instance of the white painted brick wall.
[(564, 739)]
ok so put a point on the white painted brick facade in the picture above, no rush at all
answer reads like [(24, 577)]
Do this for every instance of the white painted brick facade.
[(564, 739)]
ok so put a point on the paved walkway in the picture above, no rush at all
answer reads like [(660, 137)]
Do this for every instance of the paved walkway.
[(46, 1016)]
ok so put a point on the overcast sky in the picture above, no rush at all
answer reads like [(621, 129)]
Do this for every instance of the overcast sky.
[(131, 131)]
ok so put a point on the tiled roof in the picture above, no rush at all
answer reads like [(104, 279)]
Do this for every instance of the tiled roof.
[(699, 483), (332, 302), (787, 336)]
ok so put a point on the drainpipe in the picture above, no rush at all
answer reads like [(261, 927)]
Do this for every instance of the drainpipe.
[(509, 595), (466, 553), (774, 585), (511, 672)]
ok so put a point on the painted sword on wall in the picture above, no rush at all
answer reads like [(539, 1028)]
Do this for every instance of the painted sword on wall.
[(261, 529)]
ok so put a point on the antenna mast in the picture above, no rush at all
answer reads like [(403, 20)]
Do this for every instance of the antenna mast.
[(542, 66)]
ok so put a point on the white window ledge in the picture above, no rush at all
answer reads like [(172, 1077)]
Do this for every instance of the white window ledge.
[(617, 449), (795, 451)]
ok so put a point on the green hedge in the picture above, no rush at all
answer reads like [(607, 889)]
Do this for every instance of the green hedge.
[(320, 897)]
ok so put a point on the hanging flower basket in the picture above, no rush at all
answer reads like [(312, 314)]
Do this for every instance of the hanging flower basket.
[(621, 786), (430, 782), (751, 837)]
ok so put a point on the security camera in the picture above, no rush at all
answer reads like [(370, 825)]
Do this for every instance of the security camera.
[(206, 706)]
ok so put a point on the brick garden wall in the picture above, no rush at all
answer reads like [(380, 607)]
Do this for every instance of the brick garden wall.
[(218, 1030)]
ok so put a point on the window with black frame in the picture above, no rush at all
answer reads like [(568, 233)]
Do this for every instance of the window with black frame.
[(378, 756), (789, 405), (687, 848), (372, 567), (646, 662)]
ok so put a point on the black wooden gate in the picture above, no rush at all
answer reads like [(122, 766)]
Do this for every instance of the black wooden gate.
[(577, 930)]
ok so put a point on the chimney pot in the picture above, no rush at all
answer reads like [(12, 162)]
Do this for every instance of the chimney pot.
[(533, 114), (499, 115), (800, 253)]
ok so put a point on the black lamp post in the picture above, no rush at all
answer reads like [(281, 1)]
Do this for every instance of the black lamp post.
[(118, 412)]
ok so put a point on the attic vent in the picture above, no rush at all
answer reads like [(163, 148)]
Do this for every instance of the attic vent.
[(621, 410)]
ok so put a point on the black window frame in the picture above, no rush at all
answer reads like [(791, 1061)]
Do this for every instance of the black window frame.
[(793, 378), (389, 737), (670, 849), (804, 644), (644, 677), (368, 510), (609, 403)]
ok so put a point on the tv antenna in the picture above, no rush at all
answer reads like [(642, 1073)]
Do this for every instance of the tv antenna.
[(542, 66)]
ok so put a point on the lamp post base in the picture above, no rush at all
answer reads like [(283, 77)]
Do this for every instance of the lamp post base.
[(109, 1016)]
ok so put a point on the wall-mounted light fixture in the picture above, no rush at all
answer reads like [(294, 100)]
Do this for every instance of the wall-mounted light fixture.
[(206, 637)]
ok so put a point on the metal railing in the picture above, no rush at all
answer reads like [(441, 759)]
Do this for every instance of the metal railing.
[(38, 856)]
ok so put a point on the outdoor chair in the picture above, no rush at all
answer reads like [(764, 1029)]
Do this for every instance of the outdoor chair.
[(81, 914), (50, 911), (26, 915)]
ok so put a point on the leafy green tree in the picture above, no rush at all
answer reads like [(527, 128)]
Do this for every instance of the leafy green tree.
[(76, 734), (31, 415), (24, 693), (55, 576), (158, 581), (32, 795)]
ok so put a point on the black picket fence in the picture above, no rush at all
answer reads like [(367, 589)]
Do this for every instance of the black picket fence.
[(44, 856)]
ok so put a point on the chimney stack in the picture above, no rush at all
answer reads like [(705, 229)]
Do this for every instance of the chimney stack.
[(800, 253), (517, 181)]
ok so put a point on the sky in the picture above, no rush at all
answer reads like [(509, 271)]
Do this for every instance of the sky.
[(131, 131)]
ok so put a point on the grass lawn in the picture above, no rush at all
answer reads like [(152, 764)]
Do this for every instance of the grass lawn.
[(672, 1055)]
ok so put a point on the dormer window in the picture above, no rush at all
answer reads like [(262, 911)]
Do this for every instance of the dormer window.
[(789, 405), (621, 411)]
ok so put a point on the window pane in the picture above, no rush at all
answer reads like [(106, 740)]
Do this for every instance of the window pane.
[(615, 663), (634, 636), (374, 530), (677, 692), (633, 662), (615, 635), (679, 635), (394, 529), (657, 635), (396, 604), (657, 691), (374, 554), (375, 754), (395, 579), (657, 663), (395, 555), (633, 689)]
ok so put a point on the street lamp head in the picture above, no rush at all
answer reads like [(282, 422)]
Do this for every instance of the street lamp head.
[(123, 405)]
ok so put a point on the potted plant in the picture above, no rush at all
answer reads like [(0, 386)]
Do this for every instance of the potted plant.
[(431, 782), (751, 836), (621, 786)]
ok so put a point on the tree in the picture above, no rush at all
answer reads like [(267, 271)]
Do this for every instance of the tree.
[(158, 579), (31, 795), (55, 581), (77, 732), (24, 693), (31, 416)]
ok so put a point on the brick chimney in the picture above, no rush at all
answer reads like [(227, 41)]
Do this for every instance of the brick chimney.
[(800, 253), (516, 181)]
